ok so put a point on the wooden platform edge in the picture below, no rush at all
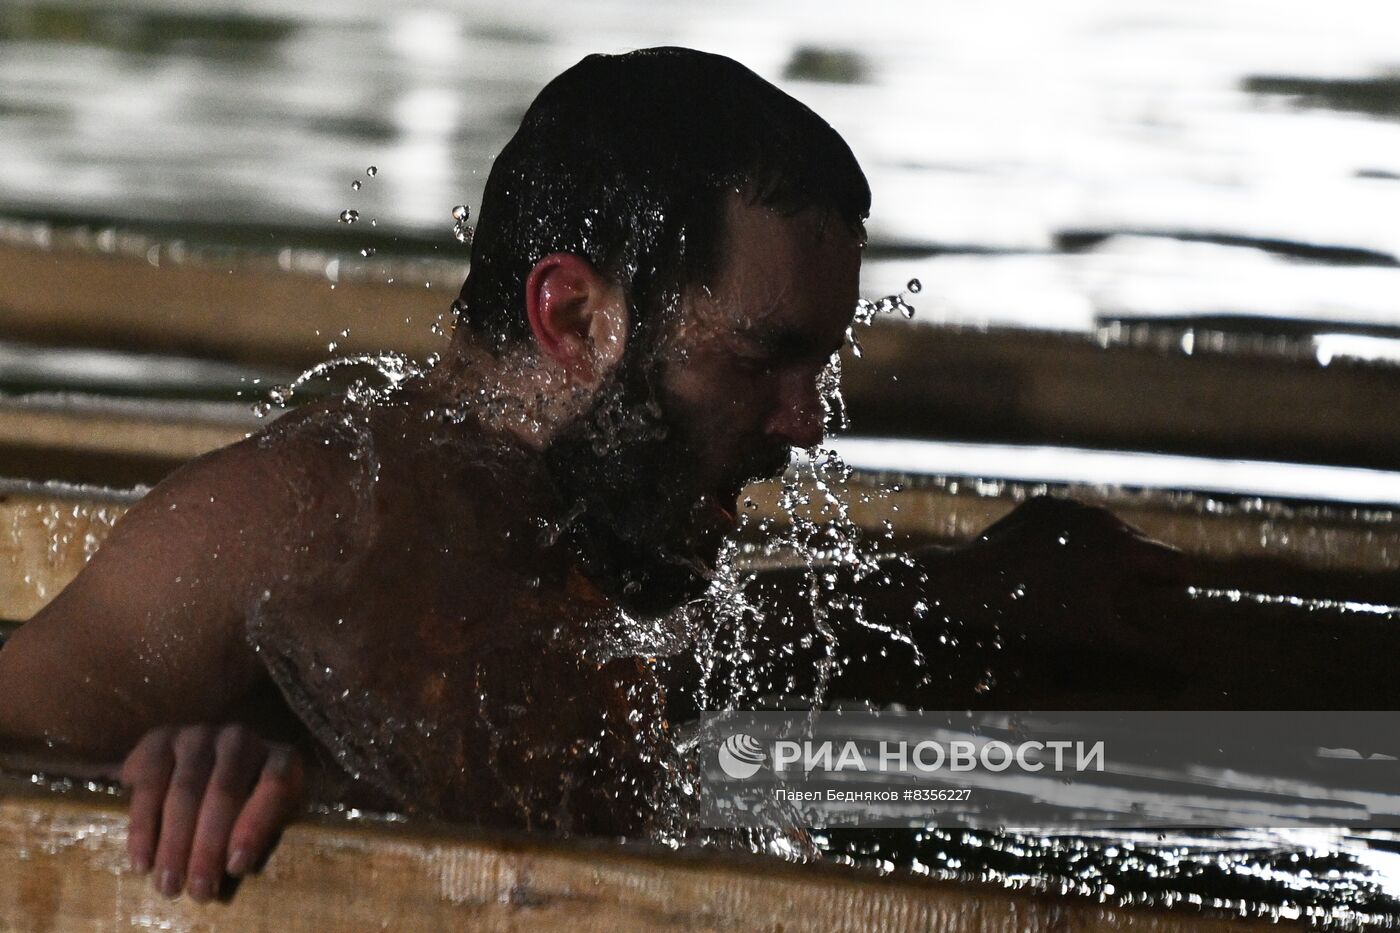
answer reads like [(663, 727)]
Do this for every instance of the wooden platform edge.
[(62, 867), (915, 380), (47, 533)]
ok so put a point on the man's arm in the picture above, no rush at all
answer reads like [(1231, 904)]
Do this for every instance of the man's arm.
[(149, 640), (151, 631)]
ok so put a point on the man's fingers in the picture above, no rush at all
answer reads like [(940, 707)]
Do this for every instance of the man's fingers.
[(275, 798), (239, 758), (205, 801), (194, 761), (146, 773)]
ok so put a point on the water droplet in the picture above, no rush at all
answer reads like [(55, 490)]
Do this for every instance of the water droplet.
[(460, 214), (349, 216), (372, 171), (354, 186), (854, 342), (915, 286)]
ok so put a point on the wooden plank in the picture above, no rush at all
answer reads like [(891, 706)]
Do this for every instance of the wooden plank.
[(171, 430), (1036, 387), (1226, 397), (954, 510), (47, 532), (96, 440), (95, 433), (926, 509), (62, 867), (102, 290)]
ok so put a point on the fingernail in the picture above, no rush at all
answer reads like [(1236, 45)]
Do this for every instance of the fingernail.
[(202, 888), (279, 763), (239, 861), (170, 882)]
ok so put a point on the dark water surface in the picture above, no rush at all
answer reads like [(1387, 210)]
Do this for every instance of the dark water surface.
[(1044, 165)]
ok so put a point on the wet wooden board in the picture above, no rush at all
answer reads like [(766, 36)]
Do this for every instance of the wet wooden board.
[(46, 536), (1269, 400), (48, 532), (106, 441), (62, 867), (953, 510), (174, 431), (1035, 387), (239, 305)]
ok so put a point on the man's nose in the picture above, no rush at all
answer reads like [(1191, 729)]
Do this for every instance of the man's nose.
[(798, 418)]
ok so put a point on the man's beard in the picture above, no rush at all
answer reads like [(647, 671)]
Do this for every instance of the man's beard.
[(626, 471)]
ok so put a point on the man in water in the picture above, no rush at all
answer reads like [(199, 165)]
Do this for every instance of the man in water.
[(434, 589), (665, 259)]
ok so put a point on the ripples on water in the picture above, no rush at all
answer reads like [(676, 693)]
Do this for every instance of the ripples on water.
[(1044, 165)]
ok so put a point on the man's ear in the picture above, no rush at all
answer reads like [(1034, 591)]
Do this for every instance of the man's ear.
[(578, 317)]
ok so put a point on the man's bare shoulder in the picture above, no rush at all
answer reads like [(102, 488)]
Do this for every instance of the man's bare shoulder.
[(167, 598), (313, 468)]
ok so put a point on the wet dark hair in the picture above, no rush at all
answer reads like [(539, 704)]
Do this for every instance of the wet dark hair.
[(626, 160)]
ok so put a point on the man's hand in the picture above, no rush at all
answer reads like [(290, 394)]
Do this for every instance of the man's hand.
[(205, 801)]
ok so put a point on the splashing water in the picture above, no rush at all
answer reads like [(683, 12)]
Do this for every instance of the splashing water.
[(867, 311), (836, 558), (835, 555), (460, 230), (394, 369)]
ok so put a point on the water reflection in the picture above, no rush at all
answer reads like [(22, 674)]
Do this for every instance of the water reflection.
[(992, 137)]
